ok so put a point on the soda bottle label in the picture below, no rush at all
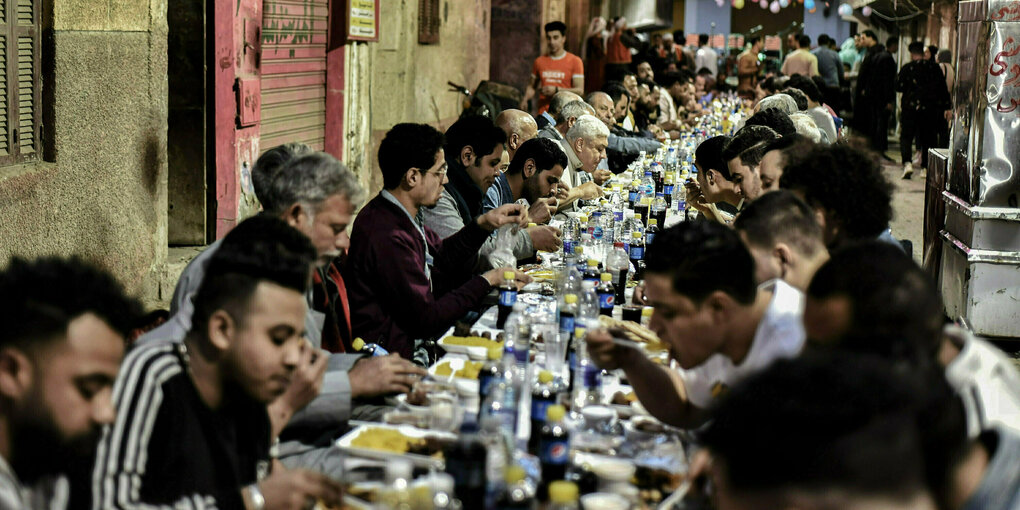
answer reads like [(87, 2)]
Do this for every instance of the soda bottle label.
[(649, 237), (633, 196), (597, 233), (566, 323), (568, 246), (667, 189), (507, 297), (484, 381), (618, 215), (554, 451), (606, 301), (538, 408), (637, 252), (591, 377), (521, 355)]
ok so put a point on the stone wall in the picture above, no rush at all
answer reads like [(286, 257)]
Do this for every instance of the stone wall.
[(398, 80), (102, 194)]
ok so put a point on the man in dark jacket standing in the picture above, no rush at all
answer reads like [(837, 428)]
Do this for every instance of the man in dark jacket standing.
[(875, 93), (924, 99)]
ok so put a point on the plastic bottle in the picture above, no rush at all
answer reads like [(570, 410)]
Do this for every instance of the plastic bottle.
[(634, 194), (543, 395), (651, 231), (669, 189), (569, 232), (517, 493), (607, 295), (586, 382), (490, 371), (641, 210), (591, 272), (658, 209), (563, 495), (568, 314), (517, 336), (648, 185), (554, 445), (680, 199), (507, 298), (588, 304), (618, 264), (466, 462), (397, 493), (369, 349), (637, 249)]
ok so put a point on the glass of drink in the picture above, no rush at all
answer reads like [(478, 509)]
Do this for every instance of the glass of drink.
[(555, 352)]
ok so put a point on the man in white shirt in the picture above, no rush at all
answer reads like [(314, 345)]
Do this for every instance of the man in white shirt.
[(706, 57), (873, 298), (719, 325)]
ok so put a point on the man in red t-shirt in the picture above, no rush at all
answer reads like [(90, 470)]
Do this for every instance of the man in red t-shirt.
[(559, 70)]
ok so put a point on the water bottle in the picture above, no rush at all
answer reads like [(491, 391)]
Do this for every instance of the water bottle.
[(369, 349), (648, 185), (595, 227), (586, 381), (569, 232), (563, 495), (680, 197), (588, 304), (517, 336)]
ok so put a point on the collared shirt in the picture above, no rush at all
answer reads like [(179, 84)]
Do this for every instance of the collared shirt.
[(49, 493), (830, 68), (800, 62), (418, 225)]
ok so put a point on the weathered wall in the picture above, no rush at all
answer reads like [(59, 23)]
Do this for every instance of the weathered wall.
[(104, 195), (398, 80)]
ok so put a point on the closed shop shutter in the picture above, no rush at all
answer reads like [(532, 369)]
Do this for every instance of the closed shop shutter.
[(294, 72)]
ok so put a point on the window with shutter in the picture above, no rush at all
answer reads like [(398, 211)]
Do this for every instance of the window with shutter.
[(20, 83), (428, 21)]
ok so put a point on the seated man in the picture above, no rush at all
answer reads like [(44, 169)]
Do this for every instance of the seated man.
[(317, 195), (192, 427), (847, 189), (585, 146), (720, 326), (63, 339), (406, 284), (872, 298), (778, 155), (743, 154), (623, 147), (474, 146), (775, 119), (534, 176), (713, 193), (519, 127), (823, 433), (549, 118), (784, 237)]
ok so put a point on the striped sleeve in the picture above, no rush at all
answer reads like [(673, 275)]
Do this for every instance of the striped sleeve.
[(122, 455)]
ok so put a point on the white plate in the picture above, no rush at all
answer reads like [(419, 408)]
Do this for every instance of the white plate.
[(344, 443), (477, 353)]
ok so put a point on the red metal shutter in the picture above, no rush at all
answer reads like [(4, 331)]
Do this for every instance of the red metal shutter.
[(294, 72)]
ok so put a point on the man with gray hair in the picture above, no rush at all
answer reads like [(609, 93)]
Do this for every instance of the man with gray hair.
[(623, 148), (519, 127), (784, 102), (317, 195), (585, 145), (565, 119), (551, 116)]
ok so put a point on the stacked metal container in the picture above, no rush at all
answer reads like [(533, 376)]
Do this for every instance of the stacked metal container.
[(980, 266)]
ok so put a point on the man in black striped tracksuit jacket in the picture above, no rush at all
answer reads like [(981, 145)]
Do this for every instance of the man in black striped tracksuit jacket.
[(192, 430)]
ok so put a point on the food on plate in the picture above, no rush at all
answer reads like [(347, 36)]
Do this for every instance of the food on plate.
[(395, 441), (623, 399), (469, 371), (634, 332), (472, 341)]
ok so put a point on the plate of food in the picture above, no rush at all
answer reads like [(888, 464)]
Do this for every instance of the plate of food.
[(635, 333), (458, 368), (475, 347), (424, 448)]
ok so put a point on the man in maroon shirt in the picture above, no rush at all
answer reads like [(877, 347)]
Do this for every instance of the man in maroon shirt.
[(407, 286)]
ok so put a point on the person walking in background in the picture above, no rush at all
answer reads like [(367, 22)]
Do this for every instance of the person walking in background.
[(558, 70), (618, 46), (706, 57), (875, 93), (748, 66), (830, 68), (594, 55), (924, 100)]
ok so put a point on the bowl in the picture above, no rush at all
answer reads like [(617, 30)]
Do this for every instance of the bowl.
[(613, 470), (604, 501)]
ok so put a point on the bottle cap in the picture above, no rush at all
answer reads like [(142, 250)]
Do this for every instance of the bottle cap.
[(555, 412), (647, 311), (637, 216), (358, 344), (606, 277), (636, 235), (646, 201), (545, 376), (495, 352), (653, 221), (578, 249), (579, 332), (570, 299), (508, 275), (593, 263), (583, 218), (562, 492), (513, 474)]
